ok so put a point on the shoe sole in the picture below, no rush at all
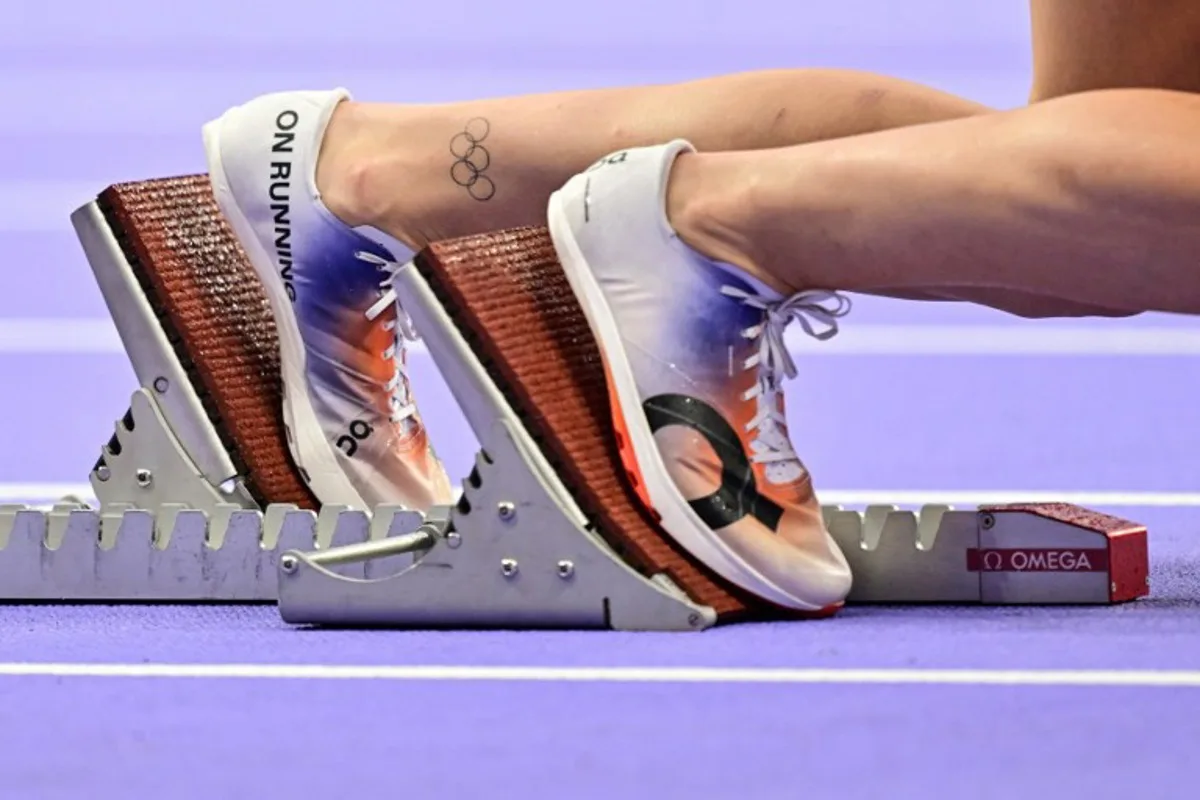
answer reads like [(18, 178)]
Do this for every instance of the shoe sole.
[(665, 500), (310, 448)]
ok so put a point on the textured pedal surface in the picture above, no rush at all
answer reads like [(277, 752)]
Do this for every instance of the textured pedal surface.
[(509, 298), (216, 315), (1078, 516)]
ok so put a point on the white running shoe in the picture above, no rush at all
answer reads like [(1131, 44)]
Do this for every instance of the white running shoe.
[(352, 423), (695, 355)]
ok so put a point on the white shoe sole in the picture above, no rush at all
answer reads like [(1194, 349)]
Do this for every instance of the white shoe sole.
[(308, 444), (678, 518)]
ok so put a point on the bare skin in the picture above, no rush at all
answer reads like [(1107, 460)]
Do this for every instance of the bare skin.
[(796, 121), (533, 144), (1083, 45), (1094, 196)]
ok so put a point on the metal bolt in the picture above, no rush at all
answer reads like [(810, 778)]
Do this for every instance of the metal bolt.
[(988, 522), (289, 564), (506, 510), (143, 477), (161, 385), (693, 620), (508, 567), (454, 540), (566, 569), (103, 473)]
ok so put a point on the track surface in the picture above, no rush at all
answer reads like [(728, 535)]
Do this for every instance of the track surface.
[(915, 402)]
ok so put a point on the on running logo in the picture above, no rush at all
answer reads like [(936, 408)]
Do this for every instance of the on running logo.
[(359, 432), (737, 496), (279, 192)]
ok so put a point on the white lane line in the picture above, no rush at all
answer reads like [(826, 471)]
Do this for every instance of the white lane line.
[(965, 497), (42, 493), (70, 336), (709, 675), (63, 336)]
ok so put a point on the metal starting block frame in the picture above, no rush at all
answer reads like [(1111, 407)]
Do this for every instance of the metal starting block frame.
[(175, 523), (118, 553), (165, 450)]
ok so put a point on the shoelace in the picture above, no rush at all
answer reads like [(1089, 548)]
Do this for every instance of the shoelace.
[(401, 404), (817, 306)]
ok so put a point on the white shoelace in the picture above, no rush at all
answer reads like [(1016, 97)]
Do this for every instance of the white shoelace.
[(821, 307), (401, 404)]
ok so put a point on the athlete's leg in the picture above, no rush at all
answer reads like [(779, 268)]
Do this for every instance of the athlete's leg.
[(1093, 198), (406, 169), (1085, 45), (422, 173)]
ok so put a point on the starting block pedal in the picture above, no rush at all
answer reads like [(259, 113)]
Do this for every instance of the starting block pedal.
[(512, 553), (197, 327), (516, 550), (199, 500), (1045, 553)]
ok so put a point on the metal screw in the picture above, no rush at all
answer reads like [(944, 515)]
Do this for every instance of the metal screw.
[(103, 473), (289, 564), (161, 385), (454, 540), (508, 567), (506, 510), (566, 569), (988, 522), (693, 620), (143, 477)]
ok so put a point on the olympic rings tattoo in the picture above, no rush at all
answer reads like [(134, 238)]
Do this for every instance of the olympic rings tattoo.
[(472, 160)]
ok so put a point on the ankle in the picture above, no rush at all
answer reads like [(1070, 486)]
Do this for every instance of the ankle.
[(709, 206), (356, 169), (339, 164)]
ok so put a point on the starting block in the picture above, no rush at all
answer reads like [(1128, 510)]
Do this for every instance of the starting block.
[(199, 501)]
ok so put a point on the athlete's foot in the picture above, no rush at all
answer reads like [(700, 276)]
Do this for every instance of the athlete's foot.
[(353, 425), (695, 354)]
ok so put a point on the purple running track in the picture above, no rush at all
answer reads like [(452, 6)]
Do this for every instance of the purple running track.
[(116, 91)]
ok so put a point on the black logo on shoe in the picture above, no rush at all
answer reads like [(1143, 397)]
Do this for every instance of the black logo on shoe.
[(279, 191), (359, 432), (615, 158), (737, 496)]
